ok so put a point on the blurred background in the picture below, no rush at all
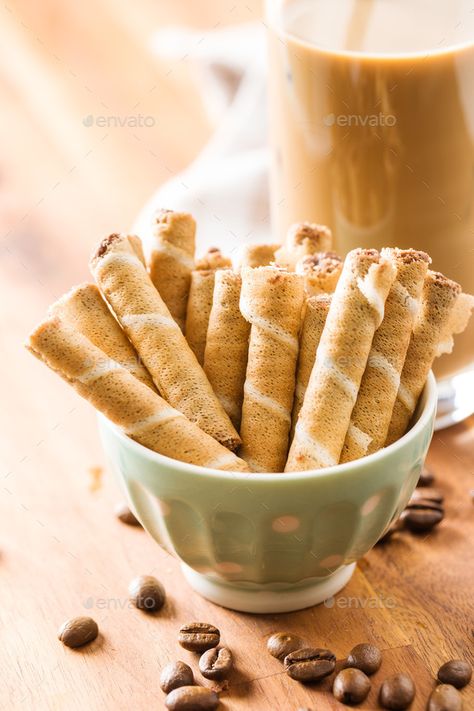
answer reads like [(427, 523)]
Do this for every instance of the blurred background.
[(70, 72)]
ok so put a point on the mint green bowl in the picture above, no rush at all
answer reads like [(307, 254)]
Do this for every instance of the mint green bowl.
[(271, 542)]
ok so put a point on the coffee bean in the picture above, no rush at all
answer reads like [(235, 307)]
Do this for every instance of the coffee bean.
[(78, 631), (422, 516), (216, 663), (199, 636), (124, 514), (445, 698), (426, 478), (397, 692), (310, 664), (192, 698), (427, 494), (456, 672), (147, 593), (281, 644), (351, 686), (366, 657), (174, 675)]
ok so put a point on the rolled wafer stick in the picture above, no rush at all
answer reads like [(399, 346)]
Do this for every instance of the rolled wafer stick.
[(356, 311), (158, 339), (225, 358), (258, 255), (84, 308), (315, 314), (271, 301), (321, 272), (378, 390), (172, 260), (439, 297), (303, 238), (141, 413), (200, 299)]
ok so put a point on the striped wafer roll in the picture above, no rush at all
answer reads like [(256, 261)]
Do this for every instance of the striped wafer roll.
[(316, 311), (141, 413), (225, 359), (158, 339), (372, 412), (200, 299), (84, 308), (356, 311), (321, 272), (172, 260), (303, 238), (271, 300), (439, 297), (258, 255)]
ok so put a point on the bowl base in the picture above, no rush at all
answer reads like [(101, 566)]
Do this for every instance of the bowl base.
[(268, 601)]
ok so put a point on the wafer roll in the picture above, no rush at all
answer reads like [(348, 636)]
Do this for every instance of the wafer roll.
[(200, 299), (172, 260), (315, 314), (303, 238), (225, 358), (84, 309), (213, 259), (372, 412), (321, 272), (258, 255), (199, 310), (356, 311), (430, 330), (271, 301), (141, 413), (158, 339)]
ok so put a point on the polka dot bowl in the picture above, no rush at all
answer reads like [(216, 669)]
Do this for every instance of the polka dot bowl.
[(271, 542)]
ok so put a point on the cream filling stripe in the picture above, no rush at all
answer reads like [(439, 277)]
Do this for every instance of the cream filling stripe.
[(314, 449), (222, 460), (97, 371), (178, 254), (271, 328), (267, 402), (368, 288), (114, 257), (379, 361), (362, 439), (157, 418), (406, 398), (412, 304), (147, 320)]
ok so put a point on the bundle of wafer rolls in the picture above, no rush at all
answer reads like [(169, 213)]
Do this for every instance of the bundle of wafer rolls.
[(295, 359)]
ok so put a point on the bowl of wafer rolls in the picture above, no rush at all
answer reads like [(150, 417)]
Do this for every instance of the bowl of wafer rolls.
[(268, 418)]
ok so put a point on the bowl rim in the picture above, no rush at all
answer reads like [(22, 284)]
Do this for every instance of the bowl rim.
[(428, 400)]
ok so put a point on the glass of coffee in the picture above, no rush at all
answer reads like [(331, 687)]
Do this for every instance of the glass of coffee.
[(372, 125)]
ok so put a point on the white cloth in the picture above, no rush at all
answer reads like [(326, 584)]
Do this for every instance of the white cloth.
[(226, 187)]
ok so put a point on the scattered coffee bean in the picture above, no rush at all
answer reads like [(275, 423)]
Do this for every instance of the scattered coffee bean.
[(147, 593), (281, 644), (174, 675), (421, 516), (310, 664), (426, 478), (366, 657), (78, 631), (216, 663), (199, 636), (351, 686), (456, 672), (124, 514), (427, 494), (192, 698), (445, 698), (397, 692)]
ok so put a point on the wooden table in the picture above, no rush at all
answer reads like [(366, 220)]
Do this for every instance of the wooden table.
[(63, 553)]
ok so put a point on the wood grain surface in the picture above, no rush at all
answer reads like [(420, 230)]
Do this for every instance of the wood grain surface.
[(62, 551)]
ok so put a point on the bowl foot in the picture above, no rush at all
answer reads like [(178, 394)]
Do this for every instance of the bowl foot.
[(268, 601)]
